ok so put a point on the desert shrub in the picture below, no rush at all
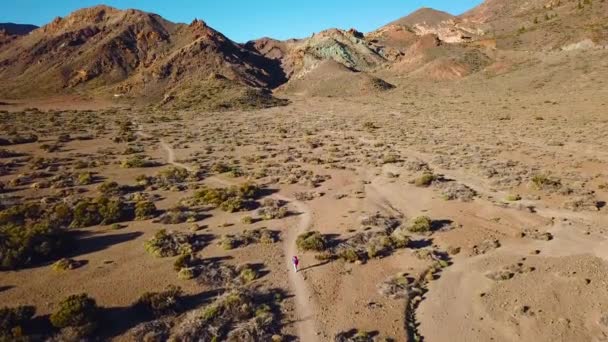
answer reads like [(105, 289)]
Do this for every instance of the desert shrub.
[(84, 178), (145, 210), (79, 312), (456, 191), (179, 215), (125, 133), (170, 244), (272, 209), (354, 336), (137, 161), (247, 274), (311, 241), (390, 159), (13, 320), (186, 273), (248, 237), (513, 198), (158, 304), (172, 176), (228, 199), (182, 261), (425, 180), (371, 244), (420, 224), (544, 182), (244, 219), (350, 255), (109, 188), (368, 126), (64, 264), (228, 242), (26, 245), (32, 232), (102, 210), (238, 315)]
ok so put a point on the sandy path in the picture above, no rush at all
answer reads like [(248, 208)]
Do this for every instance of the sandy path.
[(306, 326)]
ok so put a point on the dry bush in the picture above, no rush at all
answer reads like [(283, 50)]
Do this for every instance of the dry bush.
[(228, 199), (158, 304), (169, 244), (272, 209), (13, 322), (311, 241), (247, 238), (179, 215), (78, 312), (420, 224), (238, 315)]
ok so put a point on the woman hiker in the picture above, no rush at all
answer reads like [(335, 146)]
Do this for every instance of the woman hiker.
[(296, 262)]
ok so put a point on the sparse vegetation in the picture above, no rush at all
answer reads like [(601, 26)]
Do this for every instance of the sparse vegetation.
[(425, 180), (78, 312), (64, 264), (544, 182), (13, 322), (248, 237), (170, 244), (158, 304), (420, 224), (311, 241), (272, 209), (228, 199)]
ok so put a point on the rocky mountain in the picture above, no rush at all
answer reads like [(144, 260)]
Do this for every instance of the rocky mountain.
[(126, 53), (108, 52)]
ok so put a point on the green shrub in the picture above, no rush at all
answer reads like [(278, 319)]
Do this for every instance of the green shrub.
[(272, 209), (174, 175), (420, 224), (13, 320), (228, 199), (145, 210), (77, 311), (169, 244), (137, 161), (85, 178), (425, 180), (349, 255), (513, 198), (182, 261), (244, 219), (64, 265), (544, 182), (247, 274), (186, 273), (158, 304), (102, 210), (22, 246), (228, 242), (311, 241)]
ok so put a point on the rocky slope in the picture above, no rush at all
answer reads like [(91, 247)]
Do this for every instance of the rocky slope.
[(113, 53), (132, 53)]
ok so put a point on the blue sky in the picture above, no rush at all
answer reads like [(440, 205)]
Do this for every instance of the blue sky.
[(243, 20)]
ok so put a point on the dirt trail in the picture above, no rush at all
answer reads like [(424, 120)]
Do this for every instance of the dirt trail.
[(306, 326)]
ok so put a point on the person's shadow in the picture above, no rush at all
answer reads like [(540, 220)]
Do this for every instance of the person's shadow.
[(313, 266)]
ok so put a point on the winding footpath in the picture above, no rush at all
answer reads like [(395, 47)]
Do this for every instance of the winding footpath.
[(305, 323)]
